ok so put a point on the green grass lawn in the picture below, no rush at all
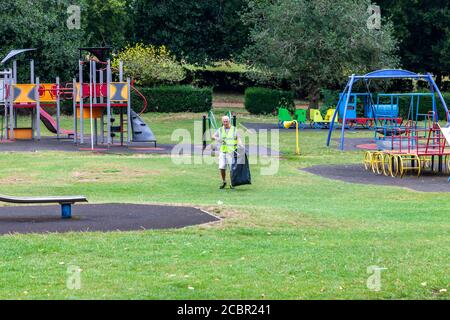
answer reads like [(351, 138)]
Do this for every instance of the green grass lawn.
[(292, 235)]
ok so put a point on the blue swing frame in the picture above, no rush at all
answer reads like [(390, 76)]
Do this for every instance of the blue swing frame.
[(385, 74)]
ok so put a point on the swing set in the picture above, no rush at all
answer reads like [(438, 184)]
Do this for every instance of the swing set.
[(416, 144)]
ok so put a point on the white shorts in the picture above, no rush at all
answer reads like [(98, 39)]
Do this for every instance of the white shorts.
[(225, 160)]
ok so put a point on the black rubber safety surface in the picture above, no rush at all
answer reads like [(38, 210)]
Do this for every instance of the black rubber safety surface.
[(53, 144), (356, 173), (99, 217), (67, 145)]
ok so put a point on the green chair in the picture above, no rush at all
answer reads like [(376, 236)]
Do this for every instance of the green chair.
[(283, 115), (300, 116)]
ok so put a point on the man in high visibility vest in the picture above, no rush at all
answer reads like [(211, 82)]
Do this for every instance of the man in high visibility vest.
[(229, 138)]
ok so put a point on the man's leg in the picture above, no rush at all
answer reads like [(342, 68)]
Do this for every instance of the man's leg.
[(223, 173), (222, 168)]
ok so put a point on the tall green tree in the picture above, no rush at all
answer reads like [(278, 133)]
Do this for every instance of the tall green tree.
[(108, 22), (314, 44), (197, 31), (42, 25), (423, 30)]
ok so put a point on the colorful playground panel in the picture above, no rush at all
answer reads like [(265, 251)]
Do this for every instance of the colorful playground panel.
[(100, 90), (118, 91), (24, 93), (21, 133), (96, 113), (48, 92)]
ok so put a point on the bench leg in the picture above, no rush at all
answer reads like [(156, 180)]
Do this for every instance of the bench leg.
[(66, 210)]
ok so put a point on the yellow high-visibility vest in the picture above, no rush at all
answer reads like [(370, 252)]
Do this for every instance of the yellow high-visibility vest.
[(230, 141)]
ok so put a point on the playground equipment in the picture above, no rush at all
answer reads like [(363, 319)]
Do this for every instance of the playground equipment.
[(285, 116), (65, 202), (386, 123), (417, 150), (318, 122), (316, 119), (32, 96), (414, 146), (361, 111), (289, 124), (117, 96), (101, 98)]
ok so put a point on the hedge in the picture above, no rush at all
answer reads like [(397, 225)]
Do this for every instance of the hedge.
[(425, 105), (266, 101), (174, 99)]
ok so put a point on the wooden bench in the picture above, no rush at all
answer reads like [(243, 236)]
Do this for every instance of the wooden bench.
[(65, 202)]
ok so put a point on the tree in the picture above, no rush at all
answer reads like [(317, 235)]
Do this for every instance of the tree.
[(41, 25), (150, 65), (423, 30), (314, 44), (197, 31), (108, 22)]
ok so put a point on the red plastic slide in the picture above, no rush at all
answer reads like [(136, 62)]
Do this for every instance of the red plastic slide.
[(50, 123)]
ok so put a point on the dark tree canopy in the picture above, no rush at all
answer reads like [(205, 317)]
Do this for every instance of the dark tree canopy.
[(41, 25), (314, 44), (198, 31), (423, 29)]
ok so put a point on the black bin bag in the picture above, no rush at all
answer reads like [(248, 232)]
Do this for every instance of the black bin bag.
[(240, 170)]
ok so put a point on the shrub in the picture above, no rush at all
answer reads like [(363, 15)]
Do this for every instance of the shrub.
[(266, 101), (330, 98), (174, 99), (150, 65)]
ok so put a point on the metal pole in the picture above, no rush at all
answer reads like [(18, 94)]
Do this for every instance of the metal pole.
[(81, 104), (441, 98), (15, 72), (38, 111), (90, 103), (102, 120), (14, 115), (335, 115), (120, 71), (108, 102), (94, 79), (121, 126), (204, 132), (74, 104), (58, 108), (32, 71), (344, 118), (11, 108), (129, 120)]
